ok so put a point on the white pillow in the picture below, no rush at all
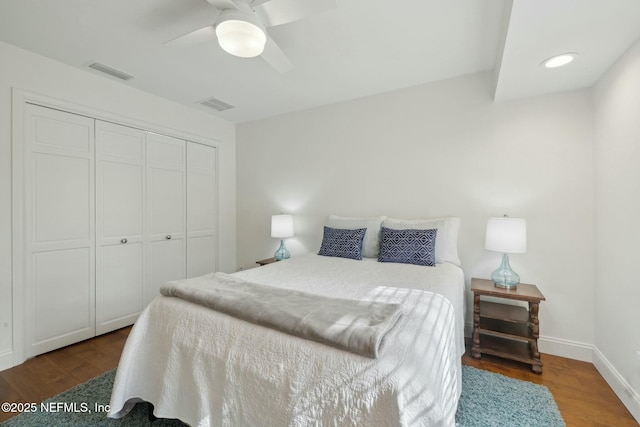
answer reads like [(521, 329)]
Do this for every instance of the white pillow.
[(371, 242), (446, 239)]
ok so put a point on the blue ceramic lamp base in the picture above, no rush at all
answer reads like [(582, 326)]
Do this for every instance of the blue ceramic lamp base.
[(504, 276)]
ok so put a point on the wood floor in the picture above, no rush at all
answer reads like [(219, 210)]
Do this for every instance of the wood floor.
[(584, 398)]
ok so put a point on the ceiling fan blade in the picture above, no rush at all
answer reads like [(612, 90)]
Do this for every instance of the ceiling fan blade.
[(276, 57), (204, 34), (223, 4), (278, 12)]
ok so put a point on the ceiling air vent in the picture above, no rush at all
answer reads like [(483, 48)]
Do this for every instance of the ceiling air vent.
[(216, 104), (111, 71)]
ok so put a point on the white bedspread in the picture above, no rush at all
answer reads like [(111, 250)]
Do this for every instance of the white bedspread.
[(207, 368)]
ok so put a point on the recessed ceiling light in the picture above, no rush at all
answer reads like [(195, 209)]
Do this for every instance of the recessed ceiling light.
[(559, 60)]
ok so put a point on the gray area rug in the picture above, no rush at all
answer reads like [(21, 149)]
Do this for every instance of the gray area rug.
[(487, 400)]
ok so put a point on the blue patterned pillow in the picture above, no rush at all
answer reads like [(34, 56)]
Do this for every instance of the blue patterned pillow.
[(342, 243), (408, 246)]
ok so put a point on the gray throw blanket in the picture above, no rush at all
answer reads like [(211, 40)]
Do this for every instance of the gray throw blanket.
[(355, 326)]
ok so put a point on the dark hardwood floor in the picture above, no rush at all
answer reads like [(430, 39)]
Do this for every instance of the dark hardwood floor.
[(584, 398), (51, 373)]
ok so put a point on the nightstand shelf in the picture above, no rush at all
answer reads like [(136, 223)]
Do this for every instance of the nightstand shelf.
[(516, 331), (511, 313), (266, 261), (506, 330), (508, 349)]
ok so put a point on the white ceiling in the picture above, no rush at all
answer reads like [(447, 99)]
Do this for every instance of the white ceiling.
[(360, 48)]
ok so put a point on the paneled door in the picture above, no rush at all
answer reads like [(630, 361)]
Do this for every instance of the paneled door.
[(201, 209), (120, 214), (166, 212), (59, 244)]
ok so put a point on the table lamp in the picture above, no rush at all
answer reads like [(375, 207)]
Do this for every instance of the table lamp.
[(281, 228), (506, 235)]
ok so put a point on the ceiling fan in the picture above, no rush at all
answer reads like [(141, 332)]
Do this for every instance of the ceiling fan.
[(240, 27)]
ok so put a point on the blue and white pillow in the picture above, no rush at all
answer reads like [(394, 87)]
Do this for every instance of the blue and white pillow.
[(408, 246), (342, 242)]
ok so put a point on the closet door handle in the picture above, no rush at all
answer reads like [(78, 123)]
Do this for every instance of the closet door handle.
[(123, 241), (168, 237)]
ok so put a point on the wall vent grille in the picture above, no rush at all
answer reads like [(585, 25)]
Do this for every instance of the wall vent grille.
[(216, 104), (110, 71)]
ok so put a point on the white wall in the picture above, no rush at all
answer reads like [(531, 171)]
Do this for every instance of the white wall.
[(37, 74), (439, 149), (617, 189)]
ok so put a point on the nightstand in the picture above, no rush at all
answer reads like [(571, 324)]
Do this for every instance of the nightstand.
[(266, 261), (505, 330)]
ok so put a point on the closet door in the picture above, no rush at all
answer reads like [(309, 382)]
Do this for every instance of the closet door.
[(120, 213), (166, 212), (59, 229), (201, 209)]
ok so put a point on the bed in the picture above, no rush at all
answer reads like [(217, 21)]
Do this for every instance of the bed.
[(206, 368)]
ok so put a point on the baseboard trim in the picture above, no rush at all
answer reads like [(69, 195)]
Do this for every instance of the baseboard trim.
[(468, 330), (629, 397), (566, 348), (555, 346), (6, 360)]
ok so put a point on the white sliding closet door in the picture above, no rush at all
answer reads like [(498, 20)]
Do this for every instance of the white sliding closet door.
[(201, 202), (120, 213), (166, 212), (59, 229)]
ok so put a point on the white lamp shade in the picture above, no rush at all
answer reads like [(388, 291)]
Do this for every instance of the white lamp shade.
[(506, 235), (240, 37), (281, 226)]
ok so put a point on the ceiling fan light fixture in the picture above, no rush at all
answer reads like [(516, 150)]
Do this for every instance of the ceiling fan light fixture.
[(240, 37), (559, 60)]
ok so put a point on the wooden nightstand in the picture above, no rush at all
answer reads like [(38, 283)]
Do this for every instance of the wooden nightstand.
[(505, 330), (266, 261)]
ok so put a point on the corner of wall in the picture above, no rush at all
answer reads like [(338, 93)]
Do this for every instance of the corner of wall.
[(629, 397), (506, 20)]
